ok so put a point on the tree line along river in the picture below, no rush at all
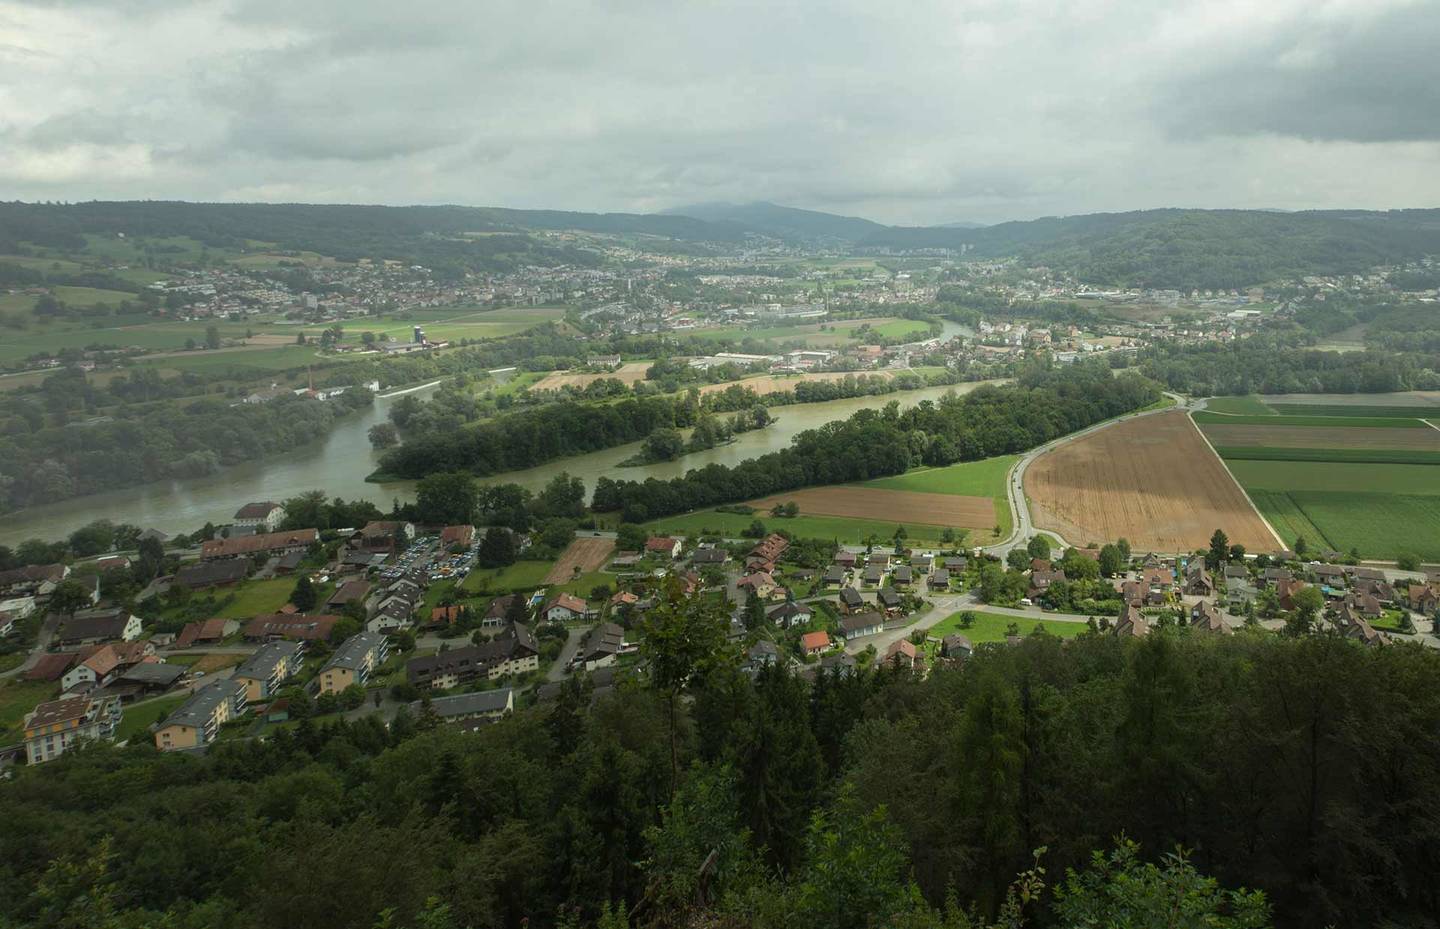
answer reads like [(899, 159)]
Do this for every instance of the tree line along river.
[(339, 463)]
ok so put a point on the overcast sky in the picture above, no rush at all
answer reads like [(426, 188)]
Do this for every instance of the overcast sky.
[(915, 111)]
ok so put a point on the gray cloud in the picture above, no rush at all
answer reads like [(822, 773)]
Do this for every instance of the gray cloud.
[(937, 111)]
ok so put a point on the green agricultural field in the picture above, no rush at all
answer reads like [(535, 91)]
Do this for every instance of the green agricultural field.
[(255, 597), (1370, 455), (901, 328), (251, 361), (1380, 525), (991, 627), (985, 478), (455, 323), (853, 531), (1338, 477), (1341, 409), (1289, 520), (1218, 419), (1247, 406)]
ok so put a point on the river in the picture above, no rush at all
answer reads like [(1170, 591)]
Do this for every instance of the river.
[(339, 463)]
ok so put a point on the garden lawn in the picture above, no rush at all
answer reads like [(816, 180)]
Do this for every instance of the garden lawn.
[(522, 575), (991, 627), (255, 597), (17, 699), (138, 719)]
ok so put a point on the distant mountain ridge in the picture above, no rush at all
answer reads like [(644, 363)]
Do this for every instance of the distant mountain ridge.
[(1168, 248)]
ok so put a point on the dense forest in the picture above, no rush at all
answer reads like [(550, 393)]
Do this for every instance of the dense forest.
[(43, 463), (1041, 405), (1300, 768)]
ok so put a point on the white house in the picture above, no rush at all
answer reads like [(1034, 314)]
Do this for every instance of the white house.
[(262, 517)]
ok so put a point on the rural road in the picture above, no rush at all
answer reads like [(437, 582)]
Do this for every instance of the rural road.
[(941, 607), (1015, 483)]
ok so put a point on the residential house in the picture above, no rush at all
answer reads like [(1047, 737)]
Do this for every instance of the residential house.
[(204, 632), (50, 666), (789, 614), (873, 575), (1040, 580), (93, 627), (353, 591), (1197, 580), (902, 575), (270, 543), (878, 559), (484, 705), (1285, 589), (956, 647), (1131, 624), (850, 600), (940, 580), (761, 585), (770, 548), (1332, 575), (663, 545), (1367, 605), (385, 535), (813, 643), (1354, 626), (146, 679), (57, 725), (600, 648), (890, 599), (762, 654), (1205, 617), (956, 564), (198, 720), (13, 610), (566, 607), (1422, 598), (921, 563), (267, 670), (36, 580), (834, 576), (497, 614), (839, 663), (905, 654), (859, 625), (353, 662), (845, 559), (262, 517), (709, 555), (95, 665), (452, 537), (513, 652), (286, 626)]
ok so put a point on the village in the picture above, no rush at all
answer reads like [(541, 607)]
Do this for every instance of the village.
[(393, 617)]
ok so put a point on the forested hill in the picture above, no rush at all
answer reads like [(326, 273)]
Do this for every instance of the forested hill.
[(1171, 248)]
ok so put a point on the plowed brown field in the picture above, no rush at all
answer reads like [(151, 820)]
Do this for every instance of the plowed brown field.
[(589, 554), (1152, 480), (631, 373), (892, 506), (1322, 437)]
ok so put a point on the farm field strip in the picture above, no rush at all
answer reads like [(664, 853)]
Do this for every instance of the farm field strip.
[(1367, 455), (1339, 477), (857, 502), (853, 531), (585, 554), (1343, 409), (1342, 437), (1152, 480), (1325, 422)]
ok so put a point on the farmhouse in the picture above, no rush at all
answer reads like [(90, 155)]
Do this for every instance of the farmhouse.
[(95, 626), (761, 585), (385, 535), (903, 653), (220, 573), (285, 626), (663, 545), (457, 536)]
